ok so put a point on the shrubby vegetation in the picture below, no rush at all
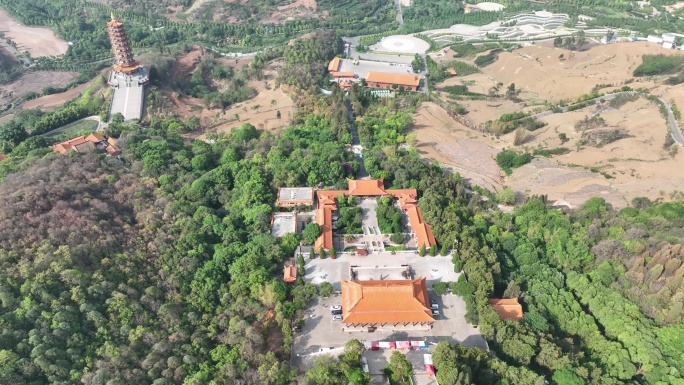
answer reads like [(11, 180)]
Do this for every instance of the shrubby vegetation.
[(307, 60), (486, 59), (460, 92), (659, 65), (31, 123), (574, 42), (438, 72), (509, 159), (389, 216), (219, 85), (534, 255), (349, 221), (425, 14), (551, 152), (460, 365), (344, 370)]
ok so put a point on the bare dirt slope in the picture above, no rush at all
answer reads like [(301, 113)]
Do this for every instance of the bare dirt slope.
[(33, 82), (48, 102), (260, 111), (538, 71), (37, 41), (456, 146), (622, 170), (635, 166), (54, 100)]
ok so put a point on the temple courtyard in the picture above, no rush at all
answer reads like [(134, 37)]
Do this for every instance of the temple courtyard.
[(380, 266)]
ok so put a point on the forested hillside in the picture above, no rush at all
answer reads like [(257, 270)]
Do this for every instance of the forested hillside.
[(159, 267)]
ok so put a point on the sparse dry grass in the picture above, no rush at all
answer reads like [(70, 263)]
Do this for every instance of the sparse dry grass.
[(637, 164)]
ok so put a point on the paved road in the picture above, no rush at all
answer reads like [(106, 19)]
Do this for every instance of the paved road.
[(675, 130), (424, 74), (400, 17), (100, 125), (356, 143)]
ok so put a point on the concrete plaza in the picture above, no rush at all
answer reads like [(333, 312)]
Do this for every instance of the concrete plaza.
[(434, 269)]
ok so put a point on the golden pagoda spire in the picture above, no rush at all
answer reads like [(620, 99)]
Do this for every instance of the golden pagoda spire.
[(113, 19)]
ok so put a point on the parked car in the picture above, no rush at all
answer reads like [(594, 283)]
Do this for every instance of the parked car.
[(435, 313), (336, 312), (337, 317), (335, 307), (434, 306), (433, 302)]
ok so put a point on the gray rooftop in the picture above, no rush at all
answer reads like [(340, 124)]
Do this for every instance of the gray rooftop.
[(283, 223), (295, 194)]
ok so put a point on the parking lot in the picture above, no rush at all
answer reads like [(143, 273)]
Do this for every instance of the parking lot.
[(321, 332)]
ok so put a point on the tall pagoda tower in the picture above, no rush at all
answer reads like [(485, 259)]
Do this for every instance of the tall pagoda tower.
[(123, 55), (127, 78)]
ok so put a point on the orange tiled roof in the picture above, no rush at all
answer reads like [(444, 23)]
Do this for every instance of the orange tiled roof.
[(69, 144), (95, 137), (399, 79), (80, 143), (326, 204), (391, 301), (289, 274), (408, 199), (374, 187), (342, 74), (324, 219), (422, 230), (507, 308), (334, 64), (345, 85), (328, 197), (452, 71), (405, 196)]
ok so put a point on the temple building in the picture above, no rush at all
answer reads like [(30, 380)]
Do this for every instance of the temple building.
[(128, 77), (383, 303), (88, 143), (123, 55), (390, 80), (507, 308), (408, 201)]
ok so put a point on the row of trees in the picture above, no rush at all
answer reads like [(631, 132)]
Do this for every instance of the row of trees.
[(35, 122)]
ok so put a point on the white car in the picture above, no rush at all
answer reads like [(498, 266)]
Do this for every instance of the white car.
[(335, 307), (435, 313), (434, 306), (337, 318)]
